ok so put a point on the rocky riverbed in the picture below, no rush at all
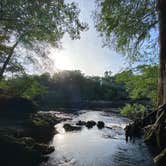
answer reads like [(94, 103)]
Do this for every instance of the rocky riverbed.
[(93, 146)]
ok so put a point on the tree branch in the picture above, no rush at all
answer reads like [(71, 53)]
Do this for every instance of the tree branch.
[(2, 70)]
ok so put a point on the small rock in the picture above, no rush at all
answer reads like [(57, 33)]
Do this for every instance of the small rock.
[(100, 124), (90, 124), (69, 127)]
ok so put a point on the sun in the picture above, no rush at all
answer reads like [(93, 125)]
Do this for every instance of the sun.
[(61, 60)]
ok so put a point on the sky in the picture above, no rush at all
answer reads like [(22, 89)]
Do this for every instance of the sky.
[(87, 53)]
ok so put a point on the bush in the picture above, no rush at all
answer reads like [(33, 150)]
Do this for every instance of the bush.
[(133, 111)]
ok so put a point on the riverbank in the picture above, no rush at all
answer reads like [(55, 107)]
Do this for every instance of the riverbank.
[(87, 104), (24, 132), (28, 137), (154, 127)]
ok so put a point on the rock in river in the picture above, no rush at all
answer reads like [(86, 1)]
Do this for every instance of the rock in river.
[(69, 127), (100, 124), (90, 124)]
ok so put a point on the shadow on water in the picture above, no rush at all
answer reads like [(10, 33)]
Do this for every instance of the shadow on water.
[(94, 147)]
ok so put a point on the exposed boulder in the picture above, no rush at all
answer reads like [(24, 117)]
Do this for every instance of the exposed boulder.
[(69, 127), (100, 124), (90, 124)]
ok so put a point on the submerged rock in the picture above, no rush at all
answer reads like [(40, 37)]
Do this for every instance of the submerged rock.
[(100, 124), (69, 127), (90, 124)]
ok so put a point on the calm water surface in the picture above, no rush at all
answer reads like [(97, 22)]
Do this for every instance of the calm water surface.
[(94, 147)]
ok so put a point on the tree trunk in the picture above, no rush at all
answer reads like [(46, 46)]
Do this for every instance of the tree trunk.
[(2, 70), (161, 6)]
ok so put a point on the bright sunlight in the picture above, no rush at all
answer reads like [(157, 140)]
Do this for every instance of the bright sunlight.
[(61, 60)]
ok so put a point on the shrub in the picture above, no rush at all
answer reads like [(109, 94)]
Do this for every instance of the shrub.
[(133, 111)]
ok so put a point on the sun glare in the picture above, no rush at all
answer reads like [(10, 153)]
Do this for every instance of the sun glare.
[(62, 61)]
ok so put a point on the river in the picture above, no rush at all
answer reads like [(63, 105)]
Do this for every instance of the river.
[(98, 147)]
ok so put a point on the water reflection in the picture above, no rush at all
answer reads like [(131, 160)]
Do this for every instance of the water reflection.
[(94, 147)]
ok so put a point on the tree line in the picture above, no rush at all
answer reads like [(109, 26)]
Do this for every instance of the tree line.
[(73, 86)]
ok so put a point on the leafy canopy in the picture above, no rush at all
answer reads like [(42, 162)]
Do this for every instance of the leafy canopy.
[(34, 23), (140, 83), (127, 25), (42, 20), (25, 86)]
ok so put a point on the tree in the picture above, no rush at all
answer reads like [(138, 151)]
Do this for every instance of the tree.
[(129, 26), (161, 6), (25, 86), (126, 24), (31, 24), (142, 82)]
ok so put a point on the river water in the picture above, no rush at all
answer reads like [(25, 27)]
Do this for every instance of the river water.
[(98, 147)]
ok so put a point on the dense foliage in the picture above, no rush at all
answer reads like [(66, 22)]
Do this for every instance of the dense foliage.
[(24, 86), (133, 111), (74, 86), (129, 26), (141, 82)]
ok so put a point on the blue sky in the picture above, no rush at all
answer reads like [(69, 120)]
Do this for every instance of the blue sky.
[(87, 53)]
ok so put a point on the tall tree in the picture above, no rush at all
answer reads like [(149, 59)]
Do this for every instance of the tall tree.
[(131, 27), (161, 6), (31, 23)]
